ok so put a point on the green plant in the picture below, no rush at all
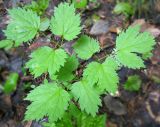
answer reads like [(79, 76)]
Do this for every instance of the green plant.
[(40, 6), (133, 83), (124, 8), (80, 3), (23, 26), (11, 83), (6, 44), (66, 88), (139, 8)]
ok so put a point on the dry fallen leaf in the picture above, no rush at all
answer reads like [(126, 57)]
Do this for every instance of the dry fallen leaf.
[(145, 26)]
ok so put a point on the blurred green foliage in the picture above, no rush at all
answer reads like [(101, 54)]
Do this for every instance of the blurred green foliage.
[(124, 8), (11, 83), (139, 7), (133, 83), (6, 44), (77, 118), (38, 6), (80, 3)]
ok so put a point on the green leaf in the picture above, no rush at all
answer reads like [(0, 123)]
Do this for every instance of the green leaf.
[(7, 44), (11, 83), (81, 119), (130, 43), (46, 59), (147, 55), (87, 97), (124, 8), (65, 22), (89, 121), (44, 24), (74, 110), (66, 121), (23, 25), (103, 74), (39, 7), (80, 3), (65, 73), (93, 1), (133, 83), (85, 47), (49, 124), (47, 100)]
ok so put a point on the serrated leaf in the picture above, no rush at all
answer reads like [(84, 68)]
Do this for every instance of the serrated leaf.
[(130, 43), (84, 120), (103, 74), (147, 55), (65, 73), (46, 59), (23, 25), (7, 44), (49, 124), (66, 121), (87, 97), (47, 100), (85, 47), (65, 22)]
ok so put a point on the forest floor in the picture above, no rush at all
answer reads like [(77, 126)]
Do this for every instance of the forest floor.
[(126, 109)]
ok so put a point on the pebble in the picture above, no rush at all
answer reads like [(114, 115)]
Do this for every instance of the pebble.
[(114, 105), (100, 27)]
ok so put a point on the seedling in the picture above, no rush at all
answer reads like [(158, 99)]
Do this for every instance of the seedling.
[(133, 83), (39, 7), (124, 8), (11, 83), (54, 99)]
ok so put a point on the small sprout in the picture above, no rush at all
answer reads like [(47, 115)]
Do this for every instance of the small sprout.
[(133, 83), (124, 8), (39, 7), (11, 83), (79, 3), (65, 82)]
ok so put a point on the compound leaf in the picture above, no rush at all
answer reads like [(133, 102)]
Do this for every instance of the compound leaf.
[(87, 97), (65, 73), (85, 47), (103, 74), (130, 44), (65, 22), (47, 100), (46, 59), (23, 25)]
